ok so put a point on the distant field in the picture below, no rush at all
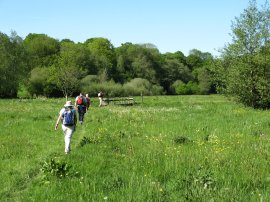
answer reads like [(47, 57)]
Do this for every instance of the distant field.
[(168, 148)]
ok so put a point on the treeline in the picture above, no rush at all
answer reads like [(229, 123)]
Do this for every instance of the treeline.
[(40, 65), (43, 66)]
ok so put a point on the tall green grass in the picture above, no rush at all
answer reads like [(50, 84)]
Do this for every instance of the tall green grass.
[(165, 148)]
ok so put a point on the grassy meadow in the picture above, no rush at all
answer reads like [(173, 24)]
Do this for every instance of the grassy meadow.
[(168, 148)]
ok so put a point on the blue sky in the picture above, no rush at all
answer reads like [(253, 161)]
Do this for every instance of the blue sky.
[(171, 25)]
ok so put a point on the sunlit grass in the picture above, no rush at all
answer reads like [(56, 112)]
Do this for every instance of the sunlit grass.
[(169, 148)]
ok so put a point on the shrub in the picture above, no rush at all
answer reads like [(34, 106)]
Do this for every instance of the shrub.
[(180, 88), (89, 79), (55, 168), (140, 86), (193, 87), (37, 81), (112, 89), (23, 92), (181, 140), (177, 84), (157, 90)]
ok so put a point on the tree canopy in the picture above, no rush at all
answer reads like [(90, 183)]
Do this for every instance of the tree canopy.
[(245, 60), (48, 67), (13, 66)]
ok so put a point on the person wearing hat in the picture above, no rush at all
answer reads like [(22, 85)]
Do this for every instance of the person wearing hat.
[(68, 118), (100, 97)]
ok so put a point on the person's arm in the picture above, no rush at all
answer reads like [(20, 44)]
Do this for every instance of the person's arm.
[(57, 122), (60, 118)]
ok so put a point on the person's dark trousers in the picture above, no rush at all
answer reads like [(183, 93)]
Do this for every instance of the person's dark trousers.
[(81, 111)]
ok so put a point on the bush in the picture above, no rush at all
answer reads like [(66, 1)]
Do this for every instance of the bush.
[(111, 89), (37, 81), (157, 90), (181, 140), (177, 83), (89, 79), (23, 92), (140, 86), (193, 87), (180, 88), (55, 168), (40, 84), (205, 83)]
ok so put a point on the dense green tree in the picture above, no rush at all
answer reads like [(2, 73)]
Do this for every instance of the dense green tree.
[(42, 50), (174, 67), (66, 78), (174, 70), (70, 68), (72, 62), (66, 41), (248, 72), (37, 81), (194, 61), (178, 55), (77, 55), (205, 82), (124, 61), (143, 67), (139, 86), (200, 63), (89, 80), (182, 88), (46, 66), (197, 59), (103, 55), (178, 87), (250, 31), (218, 71), (12, 65), (138, 60), (40, 83), (204, 56)]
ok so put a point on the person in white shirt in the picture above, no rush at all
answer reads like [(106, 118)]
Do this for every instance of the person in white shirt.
[(68, 118)]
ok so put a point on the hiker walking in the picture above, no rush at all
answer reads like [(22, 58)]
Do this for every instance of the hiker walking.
[(88, 102), (80, 103), (68, 118), (100, 97)]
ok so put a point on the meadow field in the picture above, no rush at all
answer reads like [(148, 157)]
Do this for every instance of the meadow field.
[(166, 148)]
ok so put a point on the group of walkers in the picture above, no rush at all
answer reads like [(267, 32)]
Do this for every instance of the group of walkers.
[(68, 117)]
